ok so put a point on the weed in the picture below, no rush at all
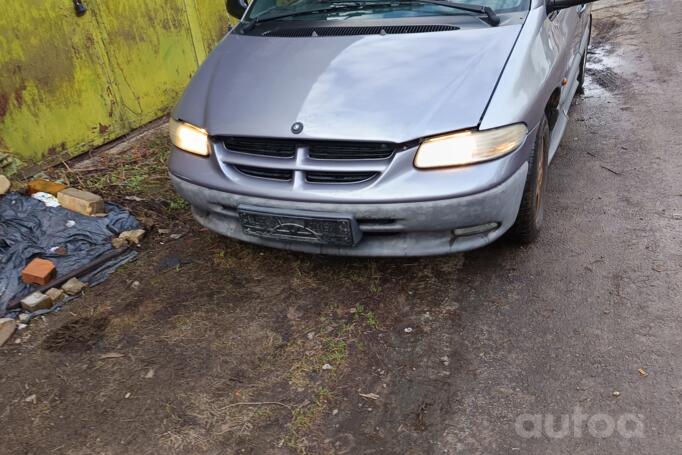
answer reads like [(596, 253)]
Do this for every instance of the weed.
[(335, 351), (369, 316), (304, 418), (372, 320), (178, 203)]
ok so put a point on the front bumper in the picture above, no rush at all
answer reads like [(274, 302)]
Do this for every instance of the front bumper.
[(389, 229)]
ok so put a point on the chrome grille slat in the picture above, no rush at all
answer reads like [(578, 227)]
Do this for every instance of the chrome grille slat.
[(322, 150), (304, 164), (339, 177)]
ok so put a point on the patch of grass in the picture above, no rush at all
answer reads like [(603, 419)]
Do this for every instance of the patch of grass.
[(331, 349), (361, 313), (136, 177), (177, 203), (372, 320), (374, 278), (335, 351), (304, 418)]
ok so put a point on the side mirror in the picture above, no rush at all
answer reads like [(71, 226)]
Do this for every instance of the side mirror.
[(236, 8), (554, 5)]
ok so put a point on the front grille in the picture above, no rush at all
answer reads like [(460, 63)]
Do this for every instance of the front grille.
[(319, 150), (265, 173), (339, 177), (294, 161), (280, 148), (306, 32)]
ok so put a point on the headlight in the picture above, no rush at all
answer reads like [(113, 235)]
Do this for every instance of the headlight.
[(188, 137), (468, 147)]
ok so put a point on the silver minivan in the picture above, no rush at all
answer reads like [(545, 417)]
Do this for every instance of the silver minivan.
[(380, 127)]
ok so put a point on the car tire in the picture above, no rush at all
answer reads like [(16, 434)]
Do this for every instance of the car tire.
[(583, 63), (531, 213)]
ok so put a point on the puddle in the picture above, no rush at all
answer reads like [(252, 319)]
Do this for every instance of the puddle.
[(603, 75)]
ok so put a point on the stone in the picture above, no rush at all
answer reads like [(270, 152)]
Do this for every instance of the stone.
[(24, 318), (73, 286), (7, 328), (4, 185), (55, 294), (38, 271), (82, 202), (36, 301), (132, 237), (119, 242)]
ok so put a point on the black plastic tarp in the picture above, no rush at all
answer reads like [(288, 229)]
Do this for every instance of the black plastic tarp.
[(29, 229)]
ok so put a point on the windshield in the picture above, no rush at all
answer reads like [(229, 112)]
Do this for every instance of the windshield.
[(271, 8)]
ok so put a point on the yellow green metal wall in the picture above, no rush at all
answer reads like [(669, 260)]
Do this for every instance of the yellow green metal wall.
[(68, 83)]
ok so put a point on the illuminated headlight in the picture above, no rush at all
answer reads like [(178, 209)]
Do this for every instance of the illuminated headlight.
[(188, 137), (468, 147)]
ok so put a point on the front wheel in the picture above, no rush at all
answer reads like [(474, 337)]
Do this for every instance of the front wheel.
[(531, 213)]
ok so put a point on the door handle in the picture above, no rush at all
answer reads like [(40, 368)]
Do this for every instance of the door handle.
[(80, 7)]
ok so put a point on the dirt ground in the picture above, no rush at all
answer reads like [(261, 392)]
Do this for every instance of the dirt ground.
[(209, 346)]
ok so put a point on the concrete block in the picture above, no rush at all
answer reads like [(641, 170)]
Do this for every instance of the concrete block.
[(82, 202), (7, 328), (55, 294), (73, 286), (36, 301), (4, 185)]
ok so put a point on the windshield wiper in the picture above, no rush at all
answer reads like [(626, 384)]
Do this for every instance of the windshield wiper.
[(488, 11), (337, 5)]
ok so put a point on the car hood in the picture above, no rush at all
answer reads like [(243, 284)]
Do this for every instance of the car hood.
[(376, 88)]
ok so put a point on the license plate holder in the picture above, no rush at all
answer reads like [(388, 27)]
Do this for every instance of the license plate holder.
[(321, 228)]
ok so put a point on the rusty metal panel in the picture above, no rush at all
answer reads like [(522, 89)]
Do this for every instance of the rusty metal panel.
[(56, 95), (68, 83), (151, 53), (213, 21)]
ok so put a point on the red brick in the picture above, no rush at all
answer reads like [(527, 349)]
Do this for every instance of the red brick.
[(44, 186), (38, 271)]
